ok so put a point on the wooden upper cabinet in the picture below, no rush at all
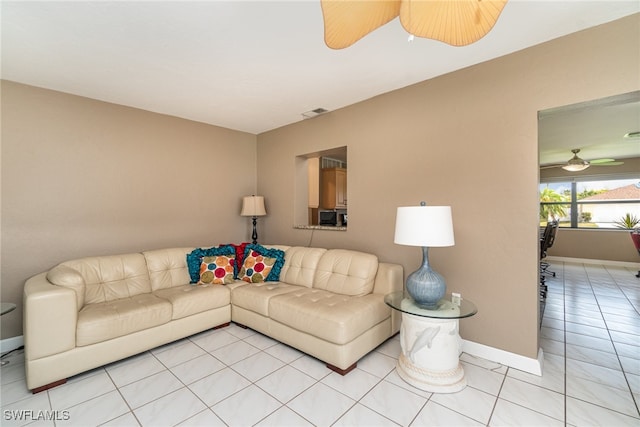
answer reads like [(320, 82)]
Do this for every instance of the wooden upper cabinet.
[(333, 188)]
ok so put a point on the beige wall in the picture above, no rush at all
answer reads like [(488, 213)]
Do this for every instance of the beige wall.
[(454, 140), (594, 244), (82, 177), (612, 245)]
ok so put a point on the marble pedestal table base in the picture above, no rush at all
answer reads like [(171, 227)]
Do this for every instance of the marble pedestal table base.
[(430, 358)]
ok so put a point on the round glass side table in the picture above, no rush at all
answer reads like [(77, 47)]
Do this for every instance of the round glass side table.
[(431, 343)]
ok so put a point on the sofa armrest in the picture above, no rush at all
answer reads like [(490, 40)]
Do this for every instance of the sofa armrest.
[(50, 318), (390, 278)]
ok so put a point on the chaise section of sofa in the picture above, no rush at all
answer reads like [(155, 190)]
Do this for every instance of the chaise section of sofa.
[(89, 312), (328, 303)]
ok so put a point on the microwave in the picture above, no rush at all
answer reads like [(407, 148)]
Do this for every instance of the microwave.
[(328, 218)]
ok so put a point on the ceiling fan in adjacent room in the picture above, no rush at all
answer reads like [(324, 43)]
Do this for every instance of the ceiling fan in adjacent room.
[(576, 164)]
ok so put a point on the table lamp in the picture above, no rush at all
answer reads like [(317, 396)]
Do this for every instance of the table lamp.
[(253, 206), (425, 226)]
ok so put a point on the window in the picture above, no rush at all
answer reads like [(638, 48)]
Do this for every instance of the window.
[(611, 203)]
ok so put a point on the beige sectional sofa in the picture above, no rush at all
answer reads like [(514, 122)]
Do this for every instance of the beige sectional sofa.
[(86, 313)]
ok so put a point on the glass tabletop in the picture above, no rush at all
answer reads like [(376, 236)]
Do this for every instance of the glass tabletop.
[(446, 309)]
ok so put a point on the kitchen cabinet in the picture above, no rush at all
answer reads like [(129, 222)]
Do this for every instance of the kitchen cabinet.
[(333, 188)]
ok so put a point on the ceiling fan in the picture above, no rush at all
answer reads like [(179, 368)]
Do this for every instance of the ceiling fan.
[(576, 164), (455, 22)]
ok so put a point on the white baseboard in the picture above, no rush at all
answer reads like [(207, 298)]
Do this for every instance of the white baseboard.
[(629, 264), (12, 343), (522, 363)]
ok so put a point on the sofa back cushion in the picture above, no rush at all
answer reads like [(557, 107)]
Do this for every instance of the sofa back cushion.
[(108, 278), (168, 267), (300, 265), (346, 272)]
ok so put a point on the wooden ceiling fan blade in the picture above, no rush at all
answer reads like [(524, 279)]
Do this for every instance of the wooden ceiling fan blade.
[(347, 21), (559, 165), (455, 22)]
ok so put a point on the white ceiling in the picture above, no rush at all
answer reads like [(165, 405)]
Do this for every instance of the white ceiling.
[(250, 65), (595, 127)]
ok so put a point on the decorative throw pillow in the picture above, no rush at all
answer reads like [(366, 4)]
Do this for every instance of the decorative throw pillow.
[(194, 259), (261, 264), (239, 256), (217, 270)]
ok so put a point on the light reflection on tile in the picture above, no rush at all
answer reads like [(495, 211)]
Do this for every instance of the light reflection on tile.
[(533, 397), (321, 404), (602, 395), (581, 413), (434, 414), (286, 383), (284, 417), (96, 411), (552, 377), (246, 407), (170, 409), (360, 415), (599, 374), (209, 390), (591, 355), (510, 414), (396, 403)]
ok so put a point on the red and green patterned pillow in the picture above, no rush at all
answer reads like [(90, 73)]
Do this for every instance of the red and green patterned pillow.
[(194, 259), (261, 264), (217, 270)]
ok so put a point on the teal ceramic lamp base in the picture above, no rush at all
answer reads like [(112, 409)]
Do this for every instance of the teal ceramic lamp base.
[(426, 286)]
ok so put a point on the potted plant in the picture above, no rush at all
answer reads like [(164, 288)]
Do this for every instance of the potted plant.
[(628, 222)]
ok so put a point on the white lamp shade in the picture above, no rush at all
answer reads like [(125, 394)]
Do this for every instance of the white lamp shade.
[(253, 206), (428, 226)]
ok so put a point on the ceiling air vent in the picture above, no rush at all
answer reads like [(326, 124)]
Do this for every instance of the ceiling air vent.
[(314, 113)]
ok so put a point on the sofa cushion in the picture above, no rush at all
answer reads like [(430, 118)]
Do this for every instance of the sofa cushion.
[(332, 317), (167, 267), (109, 278), (188, 299), (65, 276), (111, 319), (300, 265), (346, 272), (255, 296)]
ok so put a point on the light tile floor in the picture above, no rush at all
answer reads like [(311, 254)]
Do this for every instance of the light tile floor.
[(590, 335)]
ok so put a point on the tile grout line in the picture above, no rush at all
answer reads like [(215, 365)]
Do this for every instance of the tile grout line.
[(495, 403)]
